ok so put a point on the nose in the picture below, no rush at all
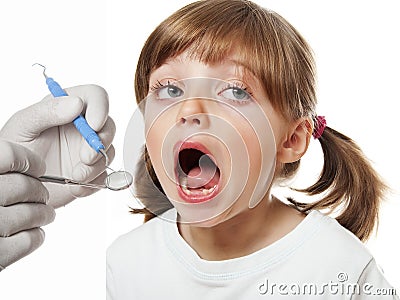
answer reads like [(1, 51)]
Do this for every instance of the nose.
[(193, 113)]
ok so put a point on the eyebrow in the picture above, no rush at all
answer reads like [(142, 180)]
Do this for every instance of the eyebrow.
[(245, 70), (242, 64), (234, 61)]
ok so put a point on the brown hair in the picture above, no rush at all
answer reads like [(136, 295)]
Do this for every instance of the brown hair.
[(281, 59)]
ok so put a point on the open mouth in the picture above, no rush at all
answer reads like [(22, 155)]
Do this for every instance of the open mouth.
[(197, 172)]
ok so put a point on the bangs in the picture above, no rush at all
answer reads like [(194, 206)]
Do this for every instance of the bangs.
[(207, 30), (210, 31)]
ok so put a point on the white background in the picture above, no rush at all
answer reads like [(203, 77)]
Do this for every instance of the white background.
[(357, 53)]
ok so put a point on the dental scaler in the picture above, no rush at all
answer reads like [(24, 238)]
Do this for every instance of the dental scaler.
[(80, 122)]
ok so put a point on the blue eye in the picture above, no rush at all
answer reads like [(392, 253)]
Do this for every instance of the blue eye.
[(169, 91), (235, 93), (166, 91)]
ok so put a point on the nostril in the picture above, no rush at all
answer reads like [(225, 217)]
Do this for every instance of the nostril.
[(195, 121)]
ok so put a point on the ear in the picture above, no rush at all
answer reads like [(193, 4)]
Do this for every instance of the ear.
[(296, 142)]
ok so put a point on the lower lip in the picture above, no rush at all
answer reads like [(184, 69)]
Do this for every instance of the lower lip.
[(197, 198)]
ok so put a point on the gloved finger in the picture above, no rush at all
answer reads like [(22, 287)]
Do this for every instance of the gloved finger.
[(80, 191), (17, 188), (86, 173), (19, 245), (95, 99), (60, 195), (23, 216), (17, 158), (27, 124), (65, 194), (106, 134)]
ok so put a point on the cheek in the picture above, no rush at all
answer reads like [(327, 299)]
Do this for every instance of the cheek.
[(279, 128), (259, 137), (249, 140), (154, 142), (155, 135), (254, 155), (152, 145)]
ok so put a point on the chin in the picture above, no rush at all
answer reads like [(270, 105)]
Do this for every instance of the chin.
[(213, 221)]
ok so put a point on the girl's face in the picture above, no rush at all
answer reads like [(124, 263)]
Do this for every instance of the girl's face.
[(212, 136)]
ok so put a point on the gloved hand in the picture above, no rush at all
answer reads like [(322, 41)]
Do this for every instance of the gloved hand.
[(46, 128), (23, 207)]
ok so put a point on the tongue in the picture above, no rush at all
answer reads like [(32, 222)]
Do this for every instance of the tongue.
[(205, 177)]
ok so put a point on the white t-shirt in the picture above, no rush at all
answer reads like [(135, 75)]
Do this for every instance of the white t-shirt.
[(319, 259)]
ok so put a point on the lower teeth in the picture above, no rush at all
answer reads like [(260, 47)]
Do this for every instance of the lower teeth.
[(183, 184)]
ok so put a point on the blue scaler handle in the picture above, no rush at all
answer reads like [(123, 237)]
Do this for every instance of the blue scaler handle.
[(80, 123)]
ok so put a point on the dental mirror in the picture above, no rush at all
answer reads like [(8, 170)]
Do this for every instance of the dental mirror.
[(118, 180), (115, 181)]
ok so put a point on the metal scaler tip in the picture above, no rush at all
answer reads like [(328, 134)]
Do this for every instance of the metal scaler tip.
[(44, 69), (103, 152), (105, 156)]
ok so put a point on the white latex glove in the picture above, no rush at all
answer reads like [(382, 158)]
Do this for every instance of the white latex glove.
[(23, 200), (46, 128)]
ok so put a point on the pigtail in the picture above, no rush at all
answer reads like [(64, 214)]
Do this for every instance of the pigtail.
[(349, 183)]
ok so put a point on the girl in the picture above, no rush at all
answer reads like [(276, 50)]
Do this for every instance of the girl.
[(222, 79)]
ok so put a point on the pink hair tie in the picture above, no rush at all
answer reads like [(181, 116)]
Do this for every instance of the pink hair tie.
[(320, 124)]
